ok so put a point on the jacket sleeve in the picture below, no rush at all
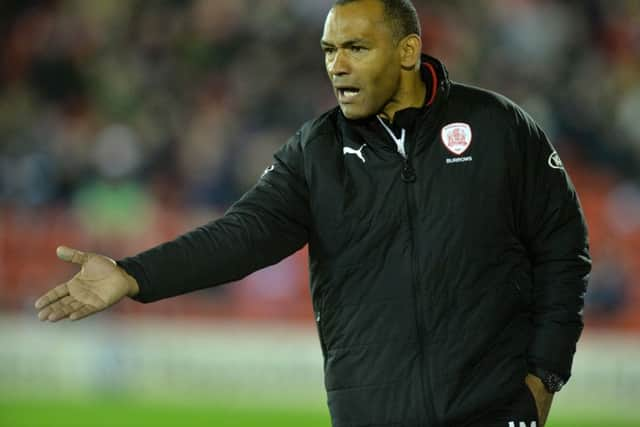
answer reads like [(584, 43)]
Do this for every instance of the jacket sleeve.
[(554, 232), (270, 222)]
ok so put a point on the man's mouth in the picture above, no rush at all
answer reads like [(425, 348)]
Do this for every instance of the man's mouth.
[(347, 93)]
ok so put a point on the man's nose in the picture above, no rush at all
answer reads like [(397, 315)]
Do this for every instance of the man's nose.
[(339, 64)]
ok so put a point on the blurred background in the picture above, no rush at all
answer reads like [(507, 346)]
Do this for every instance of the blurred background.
[(125, 123)]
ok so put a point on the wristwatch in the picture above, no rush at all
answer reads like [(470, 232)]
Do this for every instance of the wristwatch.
[(552, 381)]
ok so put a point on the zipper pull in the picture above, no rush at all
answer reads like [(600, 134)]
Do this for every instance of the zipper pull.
[(408, 173)]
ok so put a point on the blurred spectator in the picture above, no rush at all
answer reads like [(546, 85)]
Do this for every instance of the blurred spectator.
[(135, 116), (623, 209), (608, 287)]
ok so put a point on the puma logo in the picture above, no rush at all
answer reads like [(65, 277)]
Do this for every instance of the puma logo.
[(267, 170), (358, 152)]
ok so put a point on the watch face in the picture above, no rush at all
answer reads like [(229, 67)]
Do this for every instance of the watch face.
[(553, 383)]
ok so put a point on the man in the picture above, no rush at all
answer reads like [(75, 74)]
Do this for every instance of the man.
[(448, 251)]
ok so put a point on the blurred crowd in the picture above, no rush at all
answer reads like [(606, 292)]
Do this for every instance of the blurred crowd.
[(128, 119)]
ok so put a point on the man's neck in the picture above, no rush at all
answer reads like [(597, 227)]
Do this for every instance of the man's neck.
[(411, 94)]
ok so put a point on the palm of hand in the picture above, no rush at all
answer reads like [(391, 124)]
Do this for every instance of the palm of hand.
[(99, 284)]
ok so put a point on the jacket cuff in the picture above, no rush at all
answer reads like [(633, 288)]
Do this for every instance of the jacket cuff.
[(135, 270), (550, 352)]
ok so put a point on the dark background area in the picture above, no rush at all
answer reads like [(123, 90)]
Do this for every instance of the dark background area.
[(124, 123)]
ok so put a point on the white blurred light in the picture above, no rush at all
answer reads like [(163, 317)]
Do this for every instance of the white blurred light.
[(117, 151)]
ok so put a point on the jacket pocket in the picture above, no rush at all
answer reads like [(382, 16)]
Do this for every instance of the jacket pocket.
[(320, 325)]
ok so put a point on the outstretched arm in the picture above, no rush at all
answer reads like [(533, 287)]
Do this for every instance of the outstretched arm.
[(268, 223)]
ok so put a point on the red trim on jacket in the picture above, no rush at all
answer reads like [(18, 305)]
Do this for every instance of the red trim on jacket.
[(434, 80)]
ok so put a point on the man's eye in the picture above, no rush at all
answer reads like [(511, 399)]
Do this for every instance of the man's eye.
[(328, 50), (357, 49)]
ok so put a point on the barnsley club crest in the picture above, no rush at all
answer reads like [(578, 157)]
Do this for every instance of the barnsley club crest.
[(457, 137)]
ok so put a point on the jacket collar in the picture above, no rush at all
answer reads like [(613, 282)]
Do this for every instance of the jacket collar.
[(436, 78)]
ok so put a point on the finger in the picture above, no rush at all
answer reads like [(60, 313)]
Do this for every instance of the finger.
[(83, 312), (71, 255), (68, 305), (44, 314), (52, 296), (52, 311), (60, 309), (57, 315)]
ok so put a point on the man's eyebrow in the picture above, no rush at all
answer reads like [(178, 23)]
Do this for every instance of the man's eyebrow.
[(347, 43)]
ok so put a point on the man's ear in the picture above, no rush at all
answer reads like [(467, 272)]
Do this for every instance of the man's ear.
[(410, 51)]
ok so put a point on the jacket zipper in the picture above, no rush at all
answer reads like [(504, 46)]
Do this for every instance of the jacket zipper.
[(408, 176)]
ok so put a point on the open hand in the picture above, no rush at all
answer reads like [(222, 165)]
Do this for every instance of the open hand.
[(99, 284)]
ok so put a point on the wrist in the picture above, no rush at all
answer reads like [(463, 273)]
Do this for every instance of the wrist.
[(552, 382), (133, 288)]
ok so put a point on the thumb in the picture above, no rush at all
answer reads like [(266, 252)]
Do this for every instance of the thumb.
[(71, 255)]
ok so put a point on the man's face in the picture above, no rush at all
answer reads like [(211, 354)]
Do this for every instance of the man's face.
[(362, 58)]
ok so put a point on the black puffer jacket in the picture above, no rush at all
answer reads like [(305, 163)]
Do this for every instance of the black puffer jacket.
[(437, 279)]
